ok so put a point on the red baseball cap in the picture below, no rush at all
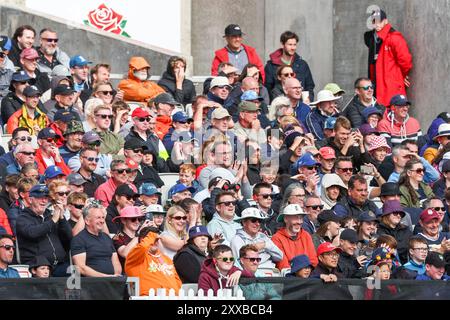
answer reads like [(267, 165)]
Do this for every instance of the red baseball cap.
[(327, 247), (140, 113), (133, 165), (327, 153), (428, 215)]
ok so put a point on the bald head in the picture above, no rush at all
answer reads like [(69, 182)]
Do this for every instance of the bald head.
[(249, 83), (292, 88)]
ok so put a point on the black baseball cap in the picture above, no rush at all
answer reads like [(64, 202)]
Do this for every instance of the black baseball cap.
[(233, 30), (435, 259), (63, 90), (390, 189), (349, 235), (134, 143), (328, 215)]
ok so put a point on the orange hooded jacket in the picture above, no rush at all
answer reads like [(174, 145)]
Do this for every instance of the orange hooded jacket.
[(135, 89)]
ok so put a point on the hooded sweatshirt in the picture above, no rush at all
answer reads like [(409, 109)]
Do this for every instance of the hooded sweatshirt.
[(135, 89), (211, 278), (395, 131), (329, 180)]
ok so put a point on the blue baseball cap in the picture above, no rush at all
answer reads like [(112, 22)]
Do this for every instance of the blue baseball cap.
[(20, 76), (329, 123), (197, 231), (181, 116), (52, 172), (251, 95), (304, 161), (367, 112), (78, 61), (399, 100), (179, 187), (5, 43), (39, 191), (300, 262), (148, 189)]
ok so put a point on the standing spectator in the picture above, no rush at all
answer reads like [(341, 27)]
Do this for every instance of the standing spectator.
[(154, 269), (111, 143), (397, 125), (413, 190), (6, 66), (23, 38), (174, 81), (286, 55), (137, 87), (6, 257), (328, 256), (28, 61), (325, 107), (92, 250), (389, 58), (50, 55), (236, 52), (40, 232), (14, 99), (48, 153), (292, 239)]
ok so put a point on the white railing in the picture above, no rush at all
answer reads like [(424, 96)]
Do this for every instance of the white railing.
[(190, 294)]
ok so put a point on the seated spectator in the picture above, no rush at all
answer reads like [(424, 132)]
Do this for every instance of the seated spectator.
[(263, 195), (292, 240), (390, 224), (29, 62), (180, 192), (301, 267), (363, 100), (417, 253), (6, 67), (326, 157), (174, 81), (73, 135), (76, 182), (305, 170), (92, 250), (50, 55), (160, 274), (437, 240), (111, 143), (325, 107), (313, 206), (193, 211), (79, 68), (328, 256), (137, 87), (29, 116), (23, 154), (329, 227), (48, 153), (219, 91), (381, 263), (442, 184), (14, 99), (219, 271), (378, 149), (189, 259), (350, 264), (175, 235), (9, 193), (250, 233), (59, 124), (23, 188), (40, 232), (435, 268), (121, 125), (397, 125), (6, 257), (441, 138), (124, 197), (149, 194), (332, 190), (23, 38), (293, 90), (180, 125), (158, 215), (165, 105), (413, 190), (372, 115), (40, 267), (75, 204), (89, 162), (366, 230), (103, 91)]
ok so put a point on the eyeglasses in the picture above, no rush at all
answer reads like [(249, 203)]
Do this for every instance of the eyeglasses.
[(178, 218), (106, 93), (140, 150), (225, 259), (50, 40), (253, 259), (254, 220), (367, 87), (91, 159), (28, 153), (290, 74), (346, 169), (104, 116), (7, 247), (418, 171), (78, 206), (333, 255), (439, 209), (24, 139), (121, 171), (315, 207), (421, 249), (51, 140), (63, 193), (267, 196), (144, 119), (228, 203)]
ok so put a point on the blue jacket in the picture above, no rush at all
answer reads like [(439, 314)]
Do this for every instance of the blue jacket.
[(426, 277), (315, 121), (301, 112), (431, 174), (411, 265), (9, 273)]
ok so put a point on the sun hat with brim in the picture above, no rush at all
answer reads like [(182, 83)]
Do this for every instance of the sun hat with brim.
[(300, 262), (323, 96), (220, 82), (129, 212), (378, 142), (368, 111), (334, 88), (291, 210), (39, 261), (443, 131), (391, 206), (250, 213), (326, 247)]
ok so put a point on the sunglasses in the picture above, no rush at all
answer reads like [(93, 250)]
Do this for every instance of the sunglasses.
[(346, 169), (144, 119), (136, 219), (367, 87), (63, 193), (78, 206), (228, 203), (105, 116), (223, 87), (267, 196), (178, 218), (129, 198), (396, 213), (225, 259), (95, 144), (315, 207), (120, 171), (138, 151), (51, 140), (28, 153), (254, 220), (291, 74), (418, 171), (311, 167), (439, 209), (91, 159), (8, 247), (106, 93), (253, 259), (50, 40), (24, 139)]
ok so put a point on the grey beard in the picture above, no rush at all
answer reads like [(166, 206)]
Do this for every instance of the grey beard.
[(49, 51)]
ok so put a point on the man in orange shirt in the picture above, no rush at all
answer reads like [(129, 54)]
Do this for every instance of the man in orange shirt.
[(154, 269), (292, 239)]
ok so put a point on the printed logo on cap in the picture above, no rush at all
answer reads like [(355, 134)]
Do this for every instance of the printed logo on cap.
[(430, 212)]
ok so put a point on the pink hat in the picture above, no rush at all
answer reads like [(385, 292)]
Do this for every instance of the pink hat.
[(378, 142), (29, 53), (129, 212)]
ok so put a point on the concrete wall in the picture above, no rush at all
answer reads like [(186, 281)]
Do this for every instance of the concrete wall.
[(95, 45)]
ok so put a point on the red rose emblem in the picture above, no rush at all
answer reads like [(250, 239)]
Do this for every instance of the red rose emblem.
[(106, 19)]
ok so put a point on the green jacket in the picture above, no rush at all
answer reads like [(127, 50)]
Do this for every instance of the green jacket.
[(406, 199), (111, 142)]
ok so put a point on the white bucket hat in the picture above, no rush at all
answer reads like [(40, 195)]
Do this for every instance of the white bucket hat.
[(324, 95), (250, 213), (291, 210)]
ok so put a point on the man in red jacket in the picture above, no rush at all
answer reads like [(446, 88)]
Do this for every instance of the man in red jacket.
[(236, 52), (390, 60)]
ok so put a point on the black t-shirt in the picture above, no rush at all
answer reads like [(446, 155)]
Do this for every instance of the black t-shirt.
[(99, 250), (92, 184)]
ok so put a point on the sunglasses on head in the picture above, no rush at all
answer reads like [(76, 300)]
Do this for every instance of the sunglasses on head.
[(253, 259), (315, 207), (367, 87), (78, 206), (105, 116), (178, 218), (144, 119), (24, 139), (225, 259), (63, 193), (50, 40), (7, 247), (91, 159)]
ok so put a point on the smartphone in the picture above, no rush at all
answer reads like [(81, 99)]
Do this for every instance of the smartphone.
[(367, 170)]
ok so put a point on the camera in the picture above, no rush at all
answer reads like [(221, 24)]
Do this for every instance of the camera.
[(231, 186)]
